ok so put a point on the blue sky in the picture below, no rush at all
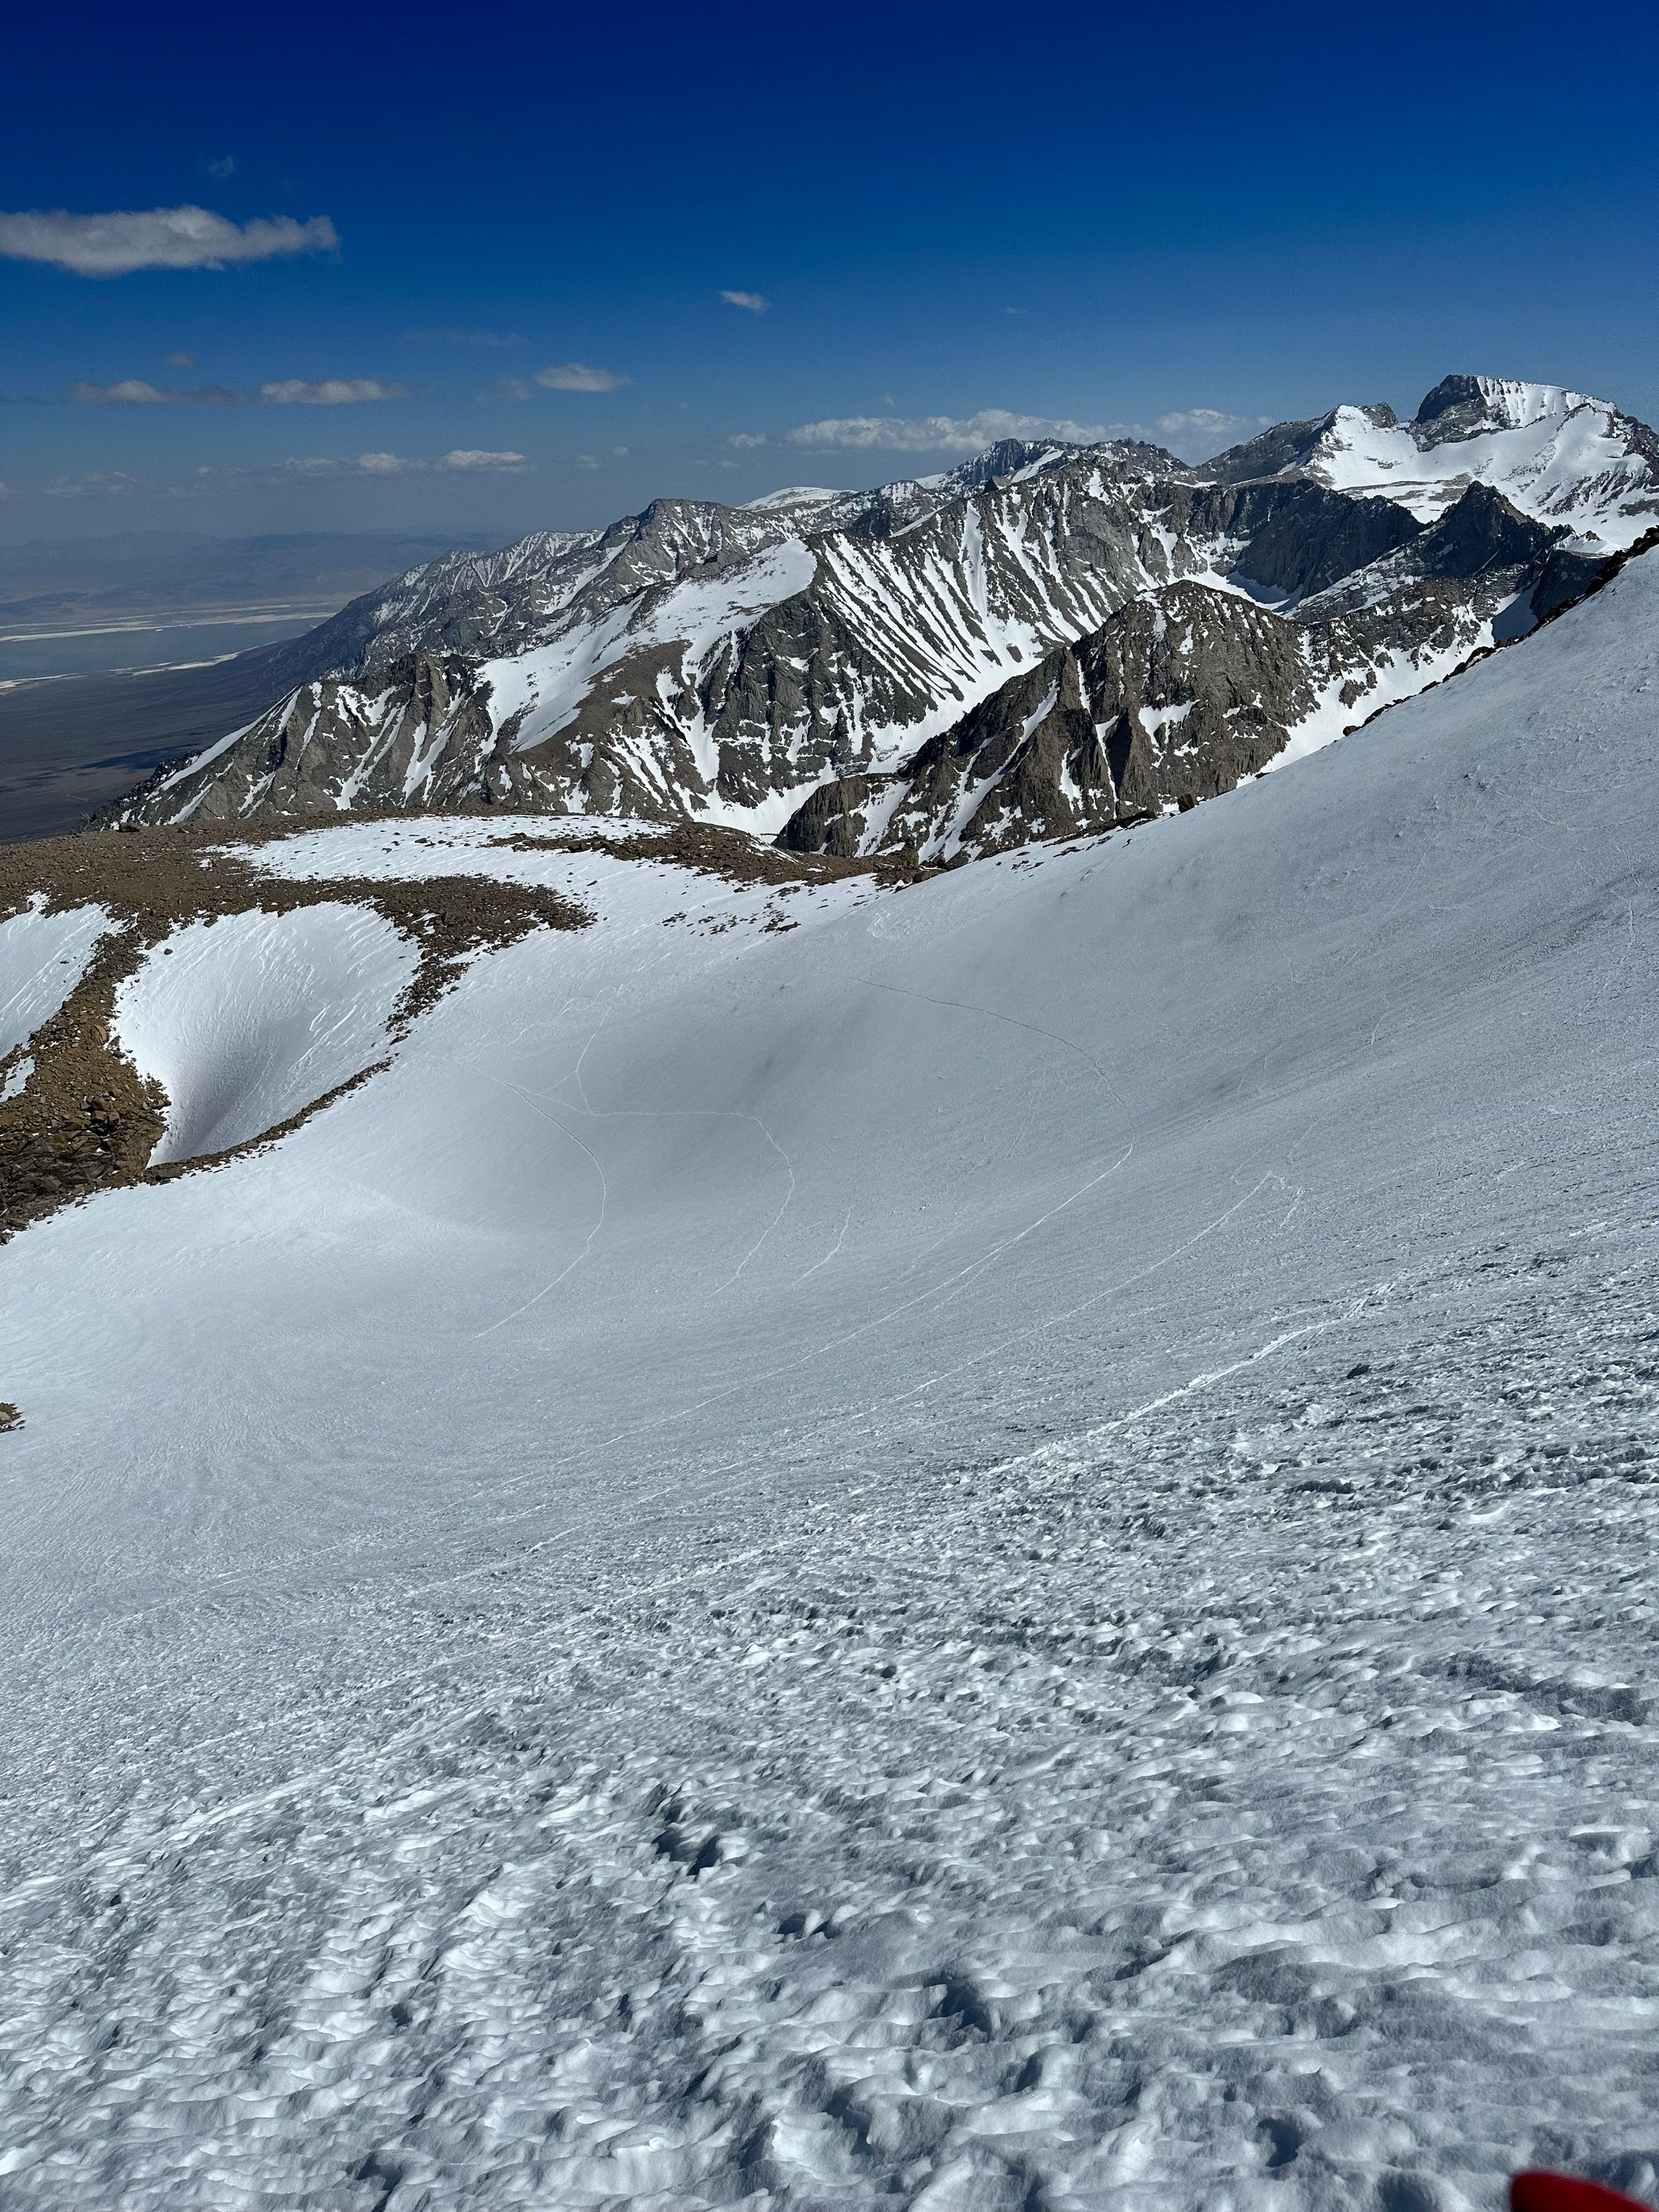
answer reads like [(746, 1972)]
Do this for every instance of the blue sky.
[(715, 251)]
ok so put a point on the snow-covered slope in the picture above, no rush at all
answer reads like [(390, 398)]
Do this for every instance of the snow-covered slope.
[(42, 957), (735, 664), (1561, 456), (991, 1550), (245, 1020)]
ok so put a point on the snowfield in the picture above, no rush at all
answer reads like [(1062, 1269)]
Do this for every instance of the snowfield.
[(42, 957), (245, 1019), (1559, 456), (982, 1546)]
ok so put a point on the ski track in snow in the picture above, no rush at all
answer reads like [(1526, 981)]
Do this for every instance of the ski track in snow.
[(1132, 1687)]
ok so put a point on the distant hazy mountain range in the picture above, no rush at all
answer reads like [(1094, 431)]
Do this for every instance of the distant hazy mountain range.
[(54, 588), (118, 652)]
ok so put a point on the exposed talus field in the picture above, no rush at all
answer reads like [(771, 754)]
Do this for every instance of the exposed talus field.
[(986, 1543)]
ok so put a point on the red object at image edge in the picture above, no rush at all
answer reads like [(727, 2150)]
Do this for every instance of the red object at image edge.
[(1560, 2192)]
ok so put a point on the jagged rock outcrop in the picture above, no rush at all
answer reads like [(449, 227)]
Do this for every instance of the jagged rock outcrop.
[(1180, 695), (1173, 699), (778, 666)]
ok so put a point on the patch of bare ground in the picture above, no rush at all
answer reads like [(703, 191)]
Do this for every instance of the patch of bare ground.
[(85, 1120), (9, 1416)]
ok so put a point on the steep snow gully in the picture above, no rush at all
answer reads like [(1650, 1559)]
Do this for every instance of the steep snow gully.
[(994, 1550)]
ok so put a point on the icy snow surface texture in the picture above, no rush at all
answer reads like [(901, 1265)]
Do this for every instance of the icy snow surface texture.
[(246, 1019), (995, 1550), (42, 957)]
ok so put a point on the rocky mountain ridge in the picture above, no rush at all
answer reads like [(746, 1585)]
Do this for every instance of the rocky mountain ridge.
[(1045, 639)]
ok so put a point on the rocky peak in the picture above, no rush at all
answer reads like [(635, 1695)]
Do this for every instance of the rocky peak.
[(1473, 406)]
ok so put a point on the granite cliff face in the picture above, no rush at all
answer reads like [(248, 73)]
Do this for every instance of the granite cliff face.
[(1045, 639)]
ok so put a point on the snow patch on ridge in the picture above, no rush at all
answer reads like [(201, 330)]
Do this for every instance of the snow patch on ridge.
[(42, 957), (547, 686), (1556, 455)]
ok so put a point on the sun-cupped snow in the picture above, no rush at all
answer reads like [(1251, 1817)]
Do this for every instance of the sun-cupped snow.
[(43, 956), (247, 1019), (994, 1549)]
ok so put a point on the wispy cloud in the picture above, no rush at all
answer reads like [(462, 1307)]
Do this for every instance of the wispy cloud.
[(1198, 432), (224, 167), (464, 461), (752, 303), (134, 391), (332, 391), (943, 434), (181, 360), (94, 484), (563, 376), (467, 460), (158, 237), (747, 439), (463, 337), (286, 391), (577, 376), (322, 465)]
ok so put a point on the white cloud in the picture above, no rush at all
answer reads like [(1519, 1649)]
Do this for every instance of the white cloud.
[(181, 360), (577, 376), (94, 482), (463, 337), (621, 452), (332, 391), (159, 238), (6, 491), (325, 466), (944, 434), (1201, 431), (751, 301), (469, 461), (464, 460), (746, 439), (587, 460), (287, 392), (320, 464), (134, 391), (224, 167)]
